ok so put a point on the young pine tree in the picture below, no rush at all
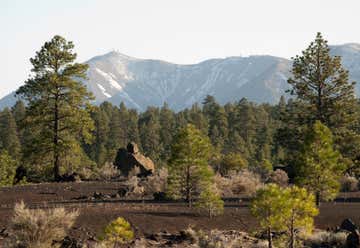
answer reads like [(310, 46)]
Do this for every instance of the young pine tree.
[(319, 166), (188, 164), (210, 201), (299, 210), (284, 209), (267, 207), (58, 103)]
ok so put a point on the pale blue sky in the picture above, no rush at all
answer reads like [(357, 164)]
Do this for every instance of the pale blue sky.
[(180, 31)]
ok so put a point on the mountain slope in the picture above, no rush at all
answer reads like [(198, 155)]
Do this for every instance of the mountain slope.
[(140, 83)]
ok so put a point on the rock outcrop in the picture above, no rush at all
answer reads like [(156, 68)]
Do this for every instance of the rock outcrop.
[(129, 158)]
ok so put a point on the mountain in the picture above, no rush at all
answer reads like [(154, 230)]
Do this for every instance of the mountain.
[(139, 83)]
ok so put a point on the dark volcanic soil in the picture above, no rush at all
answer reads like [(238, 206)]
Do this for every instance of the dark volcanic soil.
[(150, 217)]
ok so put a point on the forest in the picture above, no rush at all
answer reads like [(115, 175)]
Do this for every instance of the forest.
[(293, 155)]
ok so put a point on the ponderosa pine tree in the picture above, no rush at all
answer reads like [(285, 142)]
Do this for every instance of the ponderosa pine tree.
[(188, 165), (167, 123), (7, 168), (218, 125), (267, 207), (19, 113), (58, 103), (323, 92), (319, 166), (97, 150), (319, 80), (9, 139), (149, 129)]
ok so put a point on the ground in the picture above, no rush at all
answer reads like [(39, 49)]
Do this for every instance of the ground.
[(148, 216)]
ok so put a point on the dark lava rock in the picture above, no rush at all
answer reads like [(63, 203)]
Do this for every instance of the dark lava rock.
[(129, 158), (348, 225), (353, 240)]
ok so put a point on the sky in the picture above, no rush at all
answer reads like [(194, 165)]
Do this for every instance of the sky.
[(178, 31)]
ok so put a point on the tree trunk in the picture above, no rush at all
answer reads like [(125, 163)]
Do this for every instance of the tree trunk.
[(320, 116), (56, 142), (317, 198), (188, 188), (269, 237), (292, 234)]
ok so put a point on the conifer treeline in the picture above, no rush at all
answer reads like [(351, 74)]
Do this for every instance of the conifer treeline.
[(241, 127)]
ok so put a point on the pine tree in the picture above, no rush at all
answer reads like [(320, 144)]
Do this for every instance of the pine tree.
[(284, 209), (9, 139), (320, 81), (218, 125), (57, 104), (232, 162), (167, 123), (19, 113), (132, 127), (188, 164), (210, 201), (300, 210), (267, 207), (323, 92), (7, 168), (97, 150), (149, 128), (197, 118), (319, 166), (116, 136)]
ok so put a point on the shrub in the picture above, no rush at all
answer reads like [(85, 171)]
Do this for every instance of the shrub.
[(279, 177), (37, 228), (349, 184), (7, 169), (222, 239), (243, 182), (107, 172), (156, 183), (118, 232), (135, 189), (327, 239), (210, 201)]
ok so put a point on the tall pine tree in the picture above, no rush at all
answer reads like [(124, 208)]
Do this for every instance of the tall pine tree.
[(57, 103)]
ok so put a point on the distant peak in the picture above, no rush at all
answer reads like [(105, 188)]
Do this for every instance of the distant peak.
[(116, 53), (351, 46)]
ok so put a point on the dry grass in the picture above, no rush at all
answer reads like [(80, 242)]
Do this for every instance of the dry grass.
[(222, 239), (327, 239), (349, 184), (37, 228)]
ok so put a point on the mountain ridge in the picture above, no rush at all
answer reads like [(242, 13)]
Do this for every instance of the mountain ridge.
[(139, 83)]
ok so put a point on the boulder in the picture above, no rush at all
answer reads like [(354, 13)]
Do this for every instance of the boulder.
[(130, 158), (353, 240), (348, 225)]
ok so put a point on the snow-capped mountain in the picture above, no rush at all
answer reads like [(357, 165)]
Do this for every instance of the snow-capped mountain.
[(139, 83)]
